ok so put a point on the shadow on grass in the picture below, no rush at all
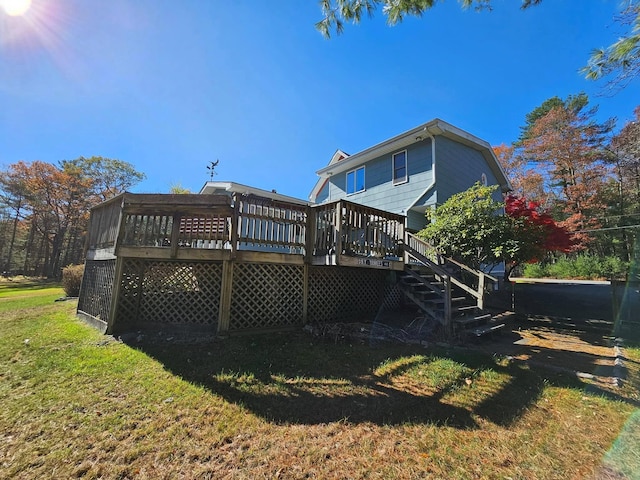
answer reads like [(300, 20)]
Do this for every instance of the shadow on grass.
[(292, 379)]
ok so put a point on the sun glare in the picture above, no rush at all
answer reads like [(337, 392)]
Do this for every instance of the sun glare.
[(15, 8)]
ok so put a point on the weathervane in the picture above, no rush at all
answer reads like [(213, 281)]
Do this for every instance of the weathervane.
[(211, 167)]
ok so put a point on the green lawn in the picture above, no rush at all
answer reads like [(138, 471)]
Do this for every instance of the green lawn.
[(76, 404)]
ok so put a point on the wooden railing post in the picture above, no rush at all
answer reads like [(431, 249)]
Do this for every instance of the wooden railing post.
[(235, 225), (310, 234), (338, 232), (175, 234)]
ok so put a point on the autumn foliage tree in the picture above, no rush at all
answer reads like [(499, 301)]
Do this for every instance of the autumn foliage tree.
[(49, 207), (567, 145), (526, 181)]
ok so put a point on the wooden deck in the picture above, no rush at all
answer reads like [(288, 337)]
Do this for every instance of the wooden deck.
[(237, 262)]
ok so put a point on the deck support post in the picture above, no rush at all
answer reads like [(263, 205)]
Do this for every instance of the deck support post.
[(305, 294), (115, 295), (224, 313)]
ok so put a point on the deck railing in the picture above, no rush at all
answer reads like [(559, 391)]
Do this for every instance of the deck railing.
[(264, 224), (351, 229), (176, 223), (104, 224)]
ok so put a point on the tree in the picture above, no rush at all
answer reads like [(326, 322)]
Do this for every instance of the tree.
[(532, 234), (623, 191), (525, 180), (52, 203), (621, 59), (13, 196), (109, 177), (177, 188), (468, 227), (572, 102), (472, 228), (567, 146)]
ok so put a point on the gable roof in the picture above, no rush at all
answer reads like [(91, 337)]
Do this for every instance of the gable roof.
[(338, 156), (432, 128)]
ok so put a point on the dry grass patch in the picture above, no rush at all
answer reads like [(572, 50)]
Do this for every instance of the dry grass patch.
[(80, 405)]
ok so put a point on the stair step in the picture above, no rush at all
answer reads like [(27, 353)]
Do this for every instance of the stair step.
[(464, 308), (440, 300), (484, 329), (464, 321)]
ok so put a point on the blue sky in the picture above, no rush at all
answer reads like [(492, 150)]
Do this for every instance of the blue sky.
[(170, 86)]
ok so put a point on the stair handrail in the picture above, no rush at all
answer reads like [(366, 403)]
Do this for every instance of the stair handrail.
[(410, 247)]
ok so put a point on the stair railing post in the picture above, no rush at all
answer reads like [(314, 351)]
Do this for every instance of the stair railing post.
[(447, 305), (481, 280)]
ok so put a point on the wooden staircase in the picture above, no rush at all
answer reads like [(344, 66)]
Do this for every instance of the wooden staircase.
[(447, 291)]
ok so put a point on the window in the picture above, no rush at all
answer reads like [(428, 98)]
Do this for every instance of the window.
[(399, 167), (355, 181)]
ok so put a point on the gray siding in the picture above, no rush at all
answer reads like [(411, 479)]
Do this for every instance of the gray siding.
[(416, 220), (379, 189), (323, 195), (458, 167)]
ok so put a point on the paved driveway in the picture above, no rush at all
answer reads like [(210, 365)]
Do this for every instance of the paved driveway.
[(578, 301)]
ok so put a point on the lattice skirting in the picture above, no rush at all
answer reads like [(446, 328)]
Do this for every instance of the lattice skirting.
[(263, 296), (97, 288), (392, 297), (340, 294), (169, 292), (266, 296)]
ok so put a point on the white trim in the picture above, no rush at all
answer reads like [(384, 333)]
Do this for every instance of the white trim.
[(405, 179)]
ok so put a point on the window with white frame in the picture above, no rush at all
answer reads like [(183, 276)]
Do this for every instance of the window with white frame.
[(399, 161), (355, 181)]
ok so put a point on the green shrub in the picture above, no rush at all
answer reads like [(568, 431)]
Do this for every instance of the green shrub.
[(561, 268), (534, 270), (71, 279), (615, 268), (584, 266)]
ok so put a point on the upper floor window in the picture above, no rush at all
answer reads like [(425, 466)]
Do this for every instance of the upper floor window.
[(399, 161), (355, 180)]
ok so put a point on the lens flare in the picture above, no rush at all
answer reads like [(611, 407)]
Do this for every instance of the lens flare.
[(15, 8)]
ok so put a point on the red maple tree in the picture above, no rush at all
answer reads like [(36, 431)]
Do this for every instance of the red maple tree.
[(534, 233)]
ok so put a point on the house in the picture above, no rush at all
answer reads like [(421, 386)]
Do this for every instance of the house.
[(235, 258), (411, 172)]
